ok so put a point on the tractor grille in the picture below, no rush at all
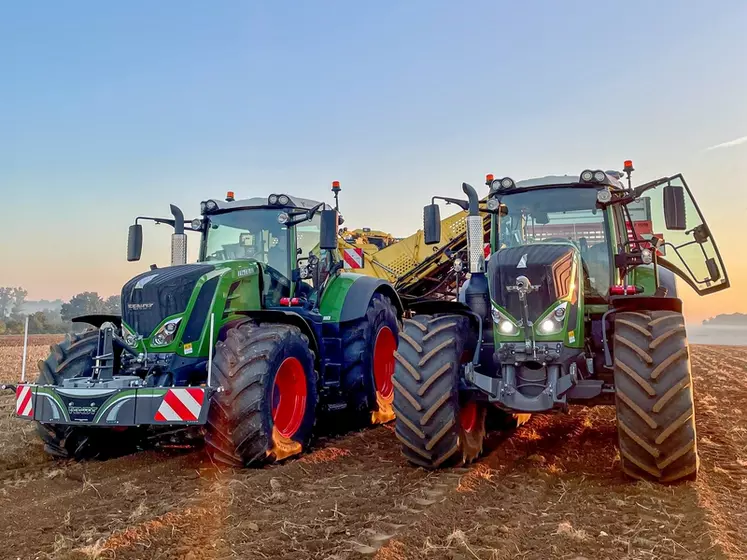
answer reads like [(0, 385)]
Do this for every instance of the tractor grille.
[(548, 266), (152, 296)]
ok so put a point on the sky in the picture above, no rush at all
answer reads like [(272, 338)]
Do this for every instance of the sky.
[(109, 110)]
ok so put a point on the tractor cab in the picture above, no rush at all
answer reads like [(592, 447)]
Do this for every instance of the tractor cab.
[(281, 233)]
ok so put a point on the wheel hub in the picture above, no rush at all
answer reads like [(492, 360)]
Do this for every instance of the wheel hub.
[(289, 395)]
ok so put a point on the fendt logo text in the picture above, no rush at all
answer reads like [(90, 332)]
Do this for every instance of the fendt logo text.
[(139, 306)]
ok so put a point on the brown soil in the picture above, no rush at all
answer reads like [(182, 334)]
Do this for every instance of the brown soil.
[(552, 489)]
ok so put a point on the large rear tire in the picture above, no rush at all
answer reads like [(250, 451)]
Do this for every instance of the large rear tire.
[(654, 397), (73, 357), (266, 408), (368, 347), (435, 424)]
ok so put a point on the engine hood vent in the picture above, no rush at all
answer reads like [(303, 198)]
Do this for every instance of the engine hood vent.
[(150, 297)]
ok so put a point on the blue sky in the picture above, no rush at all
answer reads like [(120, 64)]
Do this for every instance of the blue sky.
[(115, 109)]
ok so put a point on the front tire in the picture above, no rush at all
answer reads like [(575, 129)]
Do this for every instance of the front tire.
[(266, 408), (654, 397), (435, 424)]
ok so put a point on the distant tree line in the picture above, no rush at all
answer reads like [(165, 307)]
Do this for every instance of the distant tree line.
[(53, 320)]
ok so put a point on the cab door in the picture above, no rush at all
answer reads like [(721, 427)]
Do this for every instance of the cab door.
[(686, 244)]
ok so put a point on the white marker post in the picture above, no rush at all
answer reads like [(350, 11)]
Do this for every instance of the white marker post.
[(25, 349), (210, 350)]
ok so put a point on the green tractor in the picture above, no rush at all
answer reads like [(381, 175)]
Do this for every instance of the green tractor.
[(576, 303), (252, 344)]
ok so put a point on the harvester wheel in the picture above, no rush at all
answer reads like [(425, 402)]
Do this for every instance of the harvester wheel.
[(654, 397), (368, 346), (435, 426), (73, 357), (267, 407)]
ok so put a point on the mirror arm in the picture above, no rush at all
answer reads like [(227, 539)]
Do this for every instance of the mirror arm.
[(463, 204), (167, 221)]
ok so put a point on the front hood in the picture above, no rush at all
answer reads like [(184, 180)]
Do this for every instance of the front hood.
[(547, 265), (154, 295)]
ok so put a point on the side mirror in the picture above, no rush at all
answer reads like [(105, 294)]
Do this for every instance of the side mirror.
[(674, 208), (432, 224), (328, 230), (134, 242)]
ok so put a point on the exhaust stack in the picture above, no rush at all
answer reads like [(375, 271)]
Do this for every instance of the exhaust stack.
[(178, 239)]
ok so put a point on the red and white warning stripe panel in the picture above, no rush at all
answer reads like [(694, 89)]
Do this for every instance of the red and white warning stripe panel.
[(181, 405), (24, 401), (353, 258)]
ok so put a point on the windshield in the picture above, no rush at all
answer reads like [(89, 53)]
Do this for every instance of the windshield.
[(562, 215), (248, 234)]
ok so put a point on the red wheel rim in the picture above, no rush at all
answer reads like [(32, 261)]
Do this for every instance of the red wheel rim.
[(289, 397), (468, 416), (383, 361)]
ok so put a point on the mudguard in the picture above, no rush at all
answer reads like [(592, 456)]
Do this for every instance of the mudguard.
[(359, 295), (646, 303), (98, 319)]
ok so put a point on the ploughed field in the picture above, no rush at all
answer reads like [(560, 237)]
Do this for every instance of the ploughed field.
[(551, 489)]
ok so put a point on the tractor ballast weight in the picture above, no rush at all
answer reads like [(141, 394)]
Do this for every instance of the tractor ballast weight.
[(252, 344), (576, 305)]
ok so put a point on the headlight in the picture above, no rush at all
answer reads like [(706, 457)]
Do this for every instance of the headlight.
[(604, 196), (587, 175), (505, 325), (507, 183), (458, 265), (211, 205), (272, 199), (548, 326), (283, 218), (647, 256), (129, 336), (553, 321), (599, 176), (197, 224), (165, 334), (493, 204), (283, 199)]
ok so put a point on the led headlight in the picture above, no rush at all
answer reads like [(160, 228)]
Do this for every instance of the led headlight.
[(284, 199), (272, 199), (647, 256), (493, 204), (211, 205), (283, 218), (165, 334), (553, 321), (587, 175), (507, 183), (599, 176), (505, 325), (458, 265), (129, 336), (197, 224), (604, 196)]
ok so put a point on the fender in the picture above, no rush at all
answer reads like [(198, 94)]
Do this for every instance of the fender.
[(277, 316), (667, 280), (359, 296), (646, 303), (98, 319), (431, 307)]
